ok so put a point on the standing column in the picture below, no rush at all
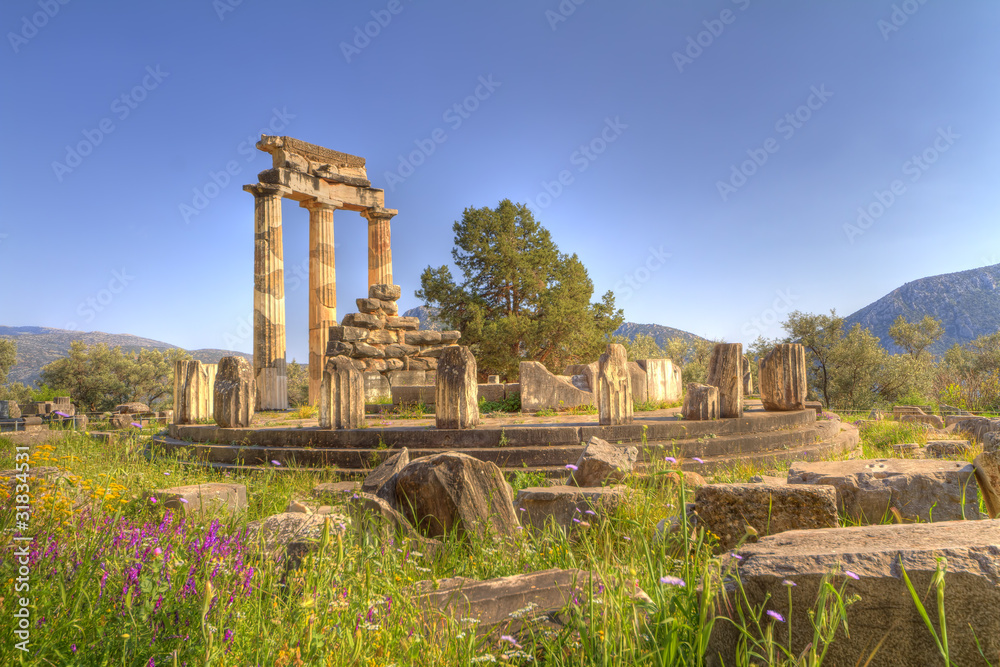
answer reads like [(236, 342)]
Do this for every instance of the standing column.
[(268, 300), (379, 248), (322, 289)]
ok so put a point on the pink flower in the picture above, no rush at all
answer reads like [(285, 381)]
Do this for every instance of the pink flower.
[(570, 466), (775, 615), (851, 575)]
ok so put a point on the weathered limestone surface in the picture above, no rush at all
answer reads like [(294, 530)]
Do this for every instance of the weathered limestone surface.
[(978, 427), (569, 506), (783, 384), (747, 377), (292, 535), (235, 393), (614, 387), (729, 509), (193, 391), (269, 300), (987, 467), (377, 388), (342, 399), (381, 481), (322, 288), (725, 371), (9, 410), (204, 498), (663, 380), (930, 420), (134, 408), (366, 509), (946, 449), (602, 463), (457, 397), (885, 614), (455, 492), (637, 378), (540, 389), (919, 489), (701, 402)]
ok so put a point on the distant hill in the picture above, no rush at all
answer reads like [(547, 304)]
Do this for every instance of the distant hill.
[(659, 332), (966, 302), (629, 330), (38, 346)]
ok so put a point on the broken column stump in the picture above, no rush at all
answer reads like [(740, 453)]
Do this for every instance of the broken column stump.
[(614, 387), (456, 393), (342, 395), (193, 401), (783, 378), (235, 393), (701, 402), (725, 371)]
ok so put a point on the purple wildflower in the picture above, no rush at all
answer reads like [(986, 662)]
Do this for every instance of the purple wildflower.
[(277, 463), (670, 459), (735, 555), (62, 414), (227, 635), (139, 426), (591, 512), (570, 466), (673, 581), (695, 458), (508, 638), (183, 500), (775, 615), (152, 499), (851, 575), (788, 582)]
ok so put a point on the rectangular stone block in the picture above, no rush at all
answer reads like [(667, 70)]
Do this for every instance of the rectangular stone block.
[(868, 561), (491, 392), (663, 380), (408, 378), (540, 389), (349, 334), (204, 498), (918, 489), (402, 323), (412, 395), (638, 379), (377, 387), (9, 410)]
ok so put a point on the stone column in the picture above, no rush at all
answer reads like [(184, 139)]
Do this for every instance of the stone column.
[(725, 371), (614, 387), (342, 395), (456, 392), (268, 300), (322, 289), (783, 382), (379, 246)]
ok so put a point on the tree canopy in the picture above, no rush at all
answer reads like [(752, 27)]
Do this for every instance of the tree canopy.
[(519, 298), (8, 357)]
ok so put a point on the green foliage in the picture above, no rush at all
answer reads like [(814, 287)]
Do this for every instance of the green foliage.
[(642, 347), (510, 403), (524, 479), (916, 337), (586, 409), (819, 334), (298, 384), (520, 298), (692, 355), (98, 377), (968, 376), (8, 357), (15, 391), (546, 412), (47, 393), (648, 406)]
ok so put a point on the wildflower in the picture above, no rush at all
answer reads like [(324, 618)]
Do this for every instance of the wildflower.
[(166, 472), (277, 463), (570, 466), (591, 512), (227, 635), (73, 648), (152, 499), (698, 460), (670, 459), (183, 500), (673, 581), (62, 414), (776, 616), (735, 555), (139, 426), (789, 582), (851, 575), (522, 509), (508, 638)]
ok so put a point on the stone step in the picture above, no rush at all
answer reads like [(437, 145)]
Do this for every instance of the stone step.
[(354, 473)]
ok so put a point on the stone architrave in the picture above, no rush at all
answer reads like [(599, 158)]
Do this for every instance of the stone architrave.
[(342, 395), (701, 402), (457, 393), (193, 396), (783, 383), (322, 288), (235, 393), (269, 300), (614, 387), (725, 371)]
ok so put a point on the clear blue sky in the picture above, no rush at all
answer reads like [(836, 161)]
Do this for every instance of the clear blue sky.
[(665, 97)]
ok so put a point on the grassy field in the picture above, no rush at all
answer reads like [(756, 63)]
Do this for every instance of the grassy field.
[(116, 580)]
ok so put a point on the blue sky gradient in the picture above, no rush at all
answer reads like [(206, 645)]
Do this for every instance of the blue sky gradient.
[(706, 160)]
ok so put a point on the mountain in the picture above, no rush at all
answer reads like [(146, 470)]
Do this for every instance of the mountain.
[(37, 346), (966, 302), (659, 332), (629, 330)]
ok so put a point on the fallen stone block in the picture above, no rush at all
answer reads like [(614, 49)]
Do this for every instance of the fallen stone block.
[(946, 449), (603, 463), (542, 390), (293, 535), (131, 408), (987, 467), (929, 420), (868, 561), (381, 481), (335, 491), (918, 489), (367, 510), (204, 498), (568, 506), (455, 492), (731, 510)]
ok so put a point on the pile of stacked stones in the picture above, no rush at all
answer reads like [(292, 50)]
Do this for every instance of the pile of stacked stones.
[(382, 340)]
